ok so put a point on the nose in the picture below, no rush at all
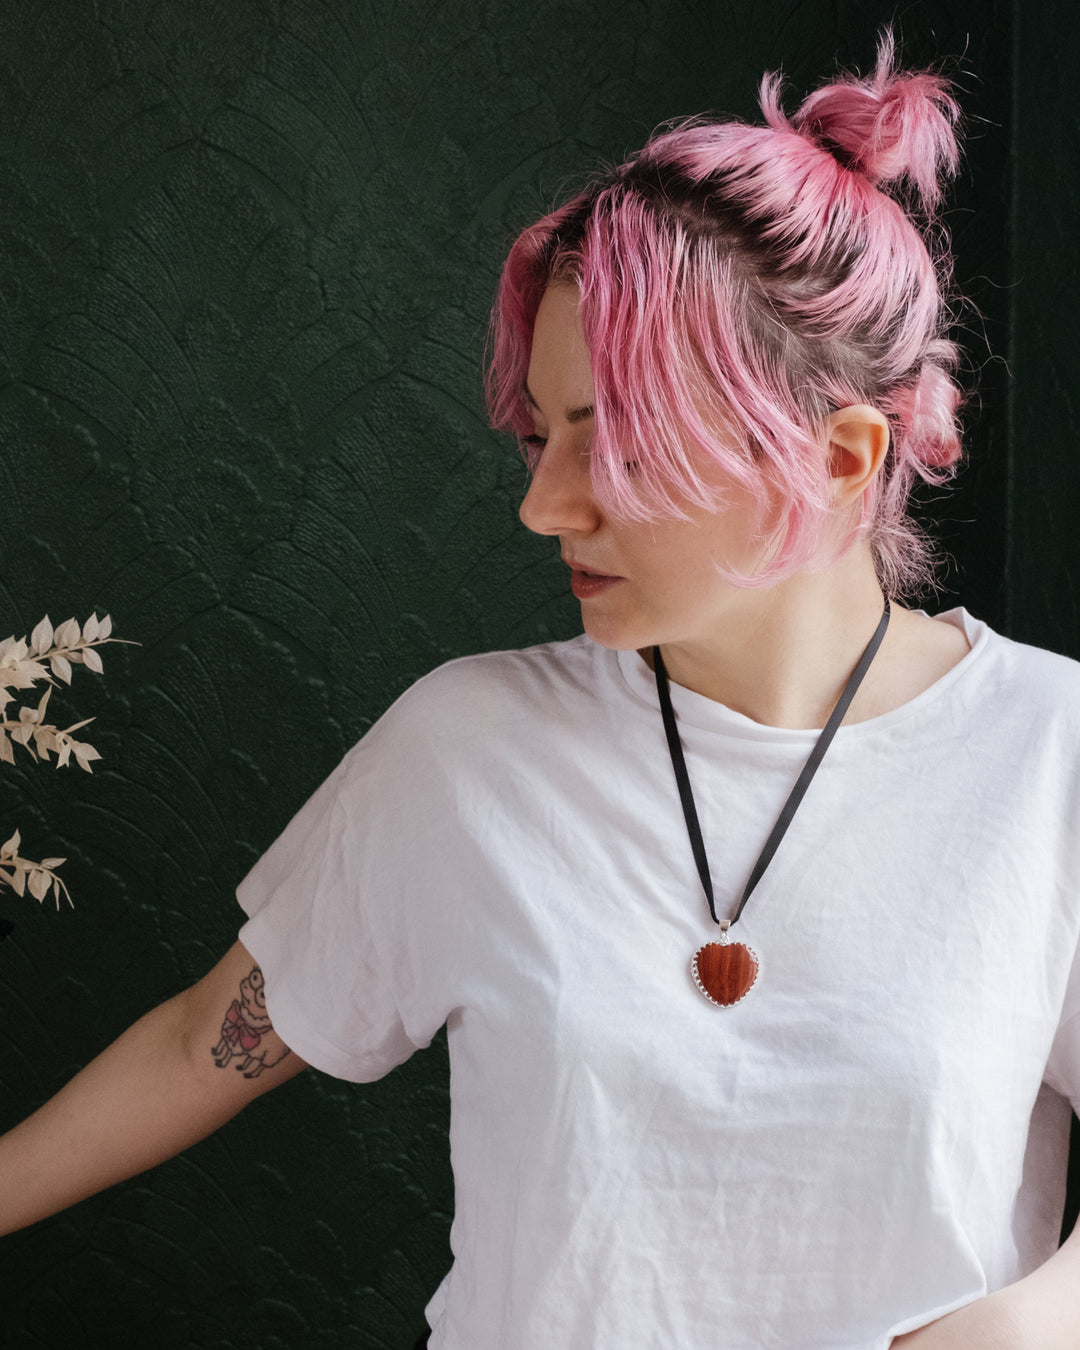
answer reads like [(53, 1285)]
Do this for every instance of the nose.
[(560, 498)]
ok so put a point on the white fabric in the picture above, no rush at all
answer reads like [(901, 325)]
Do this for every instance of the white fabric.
[(844, 1155)]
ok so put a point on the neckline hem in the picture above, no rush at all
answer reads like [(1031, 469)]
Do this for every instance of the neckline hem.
[(698, 710)]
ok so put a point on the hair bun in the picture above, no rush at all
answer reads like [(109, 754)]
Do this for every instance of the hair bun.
[(895, 125)]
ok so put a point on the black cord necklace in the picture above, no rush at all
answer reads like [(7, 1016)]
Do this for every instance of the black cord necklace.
[(725, 971)]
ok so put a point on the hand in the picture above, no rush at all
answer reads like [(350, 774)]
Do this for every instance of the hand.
[(991, 1323)]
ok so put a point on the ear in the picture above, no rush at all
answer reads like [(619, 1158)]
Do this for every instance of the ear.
[(857, 438)]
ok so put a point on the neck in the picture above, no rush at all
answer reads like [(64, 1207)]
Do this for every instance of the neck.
[(783, 656)]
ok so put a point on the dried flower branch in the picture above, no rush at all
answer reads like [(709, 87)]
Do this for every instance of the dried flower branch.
[(30, 876), (48, 656)]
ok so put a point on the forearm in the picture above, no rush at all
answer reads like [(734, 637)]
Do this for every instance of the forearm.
[(1046, 1305), (1039, 1312), (136, 1104), (155, 1091)]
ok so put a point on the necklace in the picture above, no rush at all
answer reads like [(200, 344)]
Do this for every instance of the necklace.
[(725, 971)]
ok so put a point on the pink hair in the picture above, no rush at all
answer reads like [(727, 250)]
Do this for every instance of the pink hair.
[(739, 283)]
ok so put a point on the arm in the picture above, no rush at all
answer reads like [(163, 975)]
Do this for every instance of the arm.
[(171, 1079), (1039, 1312)]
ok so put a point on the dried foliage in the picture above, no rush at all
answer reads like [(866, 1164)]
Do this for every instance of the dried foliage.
[(48, 656)]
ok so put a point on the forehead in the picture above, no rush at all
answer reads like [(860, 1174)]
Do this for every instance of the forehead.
[(560, 372)]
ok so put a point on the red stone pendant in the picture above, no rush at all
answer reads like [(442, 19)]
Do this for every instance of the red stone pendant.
[(724, 971)]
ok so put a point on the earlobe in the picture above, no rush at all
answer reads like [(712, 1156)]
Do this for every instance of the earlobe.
[(857, 438)]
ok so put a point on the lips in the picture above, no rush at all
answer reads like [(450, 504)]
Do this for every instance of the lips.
[(576, 566), (586, 583)]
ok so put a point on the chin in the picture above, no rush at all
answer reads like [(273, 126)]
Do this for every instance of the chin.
[(618, 637)]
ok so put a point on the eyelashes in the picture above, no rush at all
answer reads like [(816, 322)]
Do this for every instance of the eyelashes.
[(532, 447)]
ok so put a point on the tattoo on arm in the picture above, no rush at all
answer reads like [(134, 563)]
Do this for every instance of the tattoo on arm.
[(243, 1028)]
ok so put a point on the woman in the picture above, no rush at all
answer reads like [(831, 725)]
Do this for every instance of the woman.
[(727, 366)]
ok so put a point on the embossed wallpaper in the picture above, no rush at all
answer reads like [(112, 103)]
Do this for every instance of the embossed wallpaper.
[(247, 251)]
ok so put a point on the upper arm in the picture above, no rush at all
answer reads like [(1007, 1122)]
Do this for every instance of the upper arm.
[(227, 1029)]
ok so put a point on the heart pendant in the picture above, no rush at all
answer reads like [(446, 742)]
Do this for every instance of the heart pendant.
[(724, 971)]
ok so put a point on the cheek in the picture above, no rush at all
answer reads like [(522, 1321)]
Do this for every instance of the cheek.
[(674, 554), (696, 551), (733, 539)]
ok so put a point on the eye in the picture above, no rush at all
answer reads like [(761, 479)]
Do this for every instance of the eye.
[(532, 447)]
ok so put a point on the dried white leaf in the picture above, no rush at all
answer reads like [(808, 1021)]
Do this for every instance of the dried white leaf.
[(7, 755), (93, 661), (91, 629), (50, 863), (22, 674), (39, 883), (84, 754), (42, 637), (11, 848), (67, 635), (106, 627), (59, 886), (18, 879), (61, 667)]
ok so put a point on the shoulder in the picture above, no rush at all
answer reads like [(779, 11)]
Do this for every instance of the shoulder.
[(1026, 696), (1031, 673), (573, 664), (528, 677), (517, 694)]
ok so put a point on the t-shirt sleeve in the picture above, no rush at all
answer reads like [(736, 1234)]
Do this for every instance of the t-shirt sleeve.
[(336, 906), (1063, 1066), (1063, 1069)]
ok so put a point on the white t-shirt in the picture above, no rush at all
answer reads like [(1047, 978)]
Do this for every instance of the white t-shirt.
[(874, 1136)]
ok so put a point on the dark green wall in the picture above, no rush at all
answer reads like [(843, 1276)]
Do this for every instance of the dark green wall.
[(246, 256)]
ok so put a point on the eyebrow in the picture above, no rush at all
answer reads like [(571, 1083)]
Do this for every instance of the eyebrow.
[(572, 414)]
